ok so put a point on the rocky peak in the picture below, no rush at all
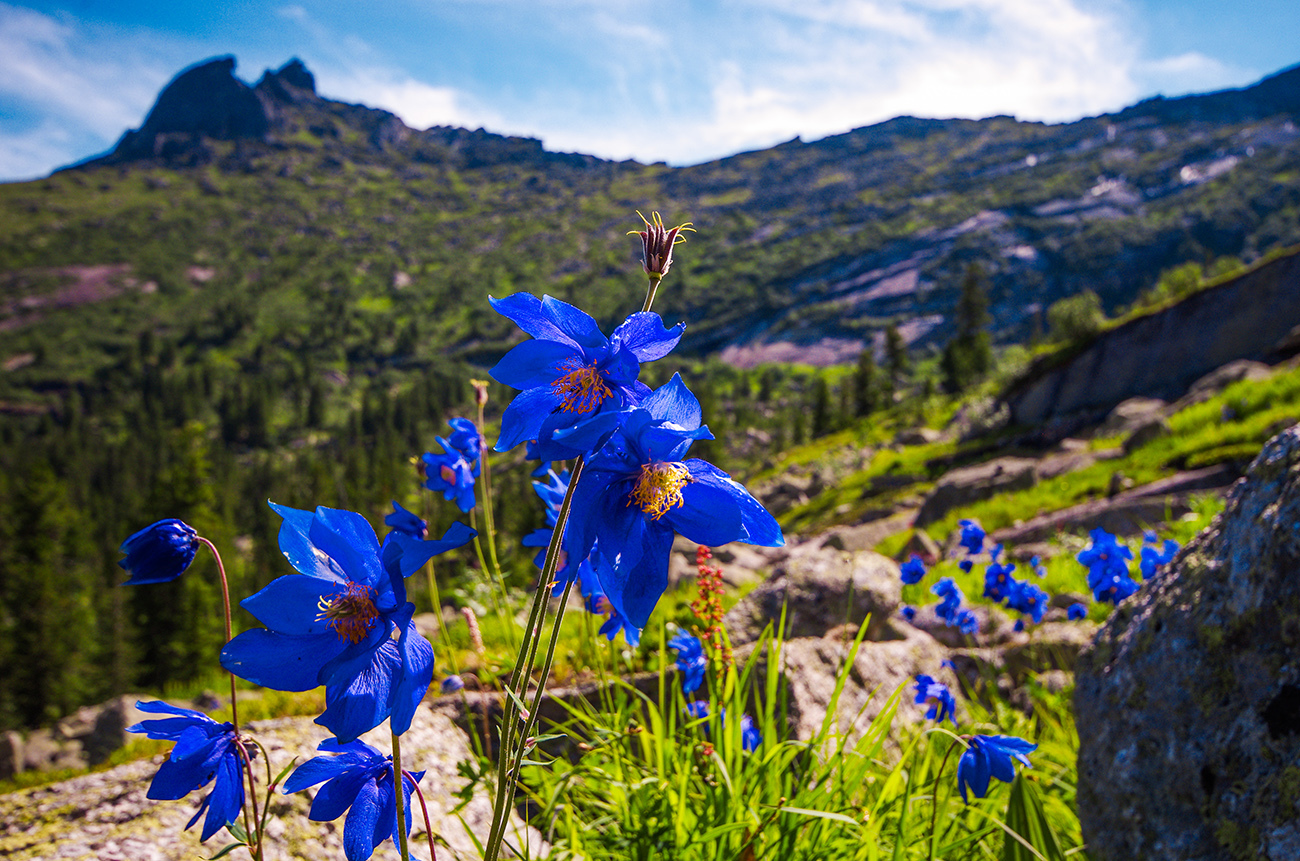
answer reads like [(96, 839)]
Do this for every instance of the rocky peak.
[(292, 82)]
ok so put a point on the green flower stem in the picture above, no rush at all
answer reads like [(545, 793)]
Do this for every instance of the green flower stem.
[(436, 599), (650, 292), (234, 706), (400, 798), (489, 523), (522, 672), (934, 810), (499, 593)]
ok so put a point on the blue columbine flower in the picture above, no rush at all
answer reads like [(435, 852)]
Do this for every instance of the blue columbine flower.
[(972, 536), (913, 570), (570, 372), (450, 474), (636, 491), (407, 523), (1108, 572), (159, 552), (937, 697), (204, 750), (358, 781), (990, 756), (1027, 598), (334, 625), (690, 660), (1076, 612)]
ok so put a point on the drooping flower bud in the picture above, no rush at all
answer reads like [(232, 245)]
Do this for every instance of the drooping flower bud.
[(657, 243)]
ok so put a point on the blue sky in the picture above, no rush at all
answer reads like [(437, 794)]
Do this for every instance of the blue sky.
[(674, 81)]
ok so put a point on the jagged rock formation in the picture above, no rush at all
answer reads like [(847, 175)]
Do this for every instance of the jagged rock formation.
[(1188, 701)]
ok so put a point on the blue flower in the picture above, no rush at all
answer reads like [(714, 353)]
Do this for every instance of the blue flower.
[(450, 474), (950, 600), (570, 372), (1076, 612), (405, 522), (913, 570), (1038, 568), (636, 491), (690, 660), (334, 625), (936, 695), (750, 737), (358, 780), (1153, 559), (451, 684), (990, 756), (532, 453), (909, 613), (159, 552), (1027, 598), (972, 536), (966, 622), (464, 440), (204, 750), (1108, 572), (698, 709), (998, 582)]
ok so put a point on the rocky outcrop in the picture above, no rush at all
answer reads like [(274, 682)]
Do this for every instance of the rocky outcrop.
[(818, 590), (107, 816), (1188, 701), (961, 487), (1161, 354)]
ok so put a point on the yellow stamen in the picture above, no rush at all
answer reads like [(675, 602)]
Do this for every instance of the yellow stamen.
[(581, 388), (351, 613), (659, 488)]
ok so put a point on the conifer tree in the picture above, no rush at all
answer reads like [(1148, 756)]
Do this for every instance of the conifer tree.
[(968, 357)]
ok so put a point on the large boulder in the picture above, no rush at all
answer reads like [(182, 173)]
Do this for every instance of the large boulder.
[(1188, 701), (960, 487), (819, 590)]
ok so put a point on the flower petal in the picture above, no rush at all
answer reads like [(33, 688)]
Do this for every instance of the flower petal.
[(290, 604), (359, 828), (757, 525), (340, 793), (525, 311), (674, 402), (644, 334), (350, 540), (361, 697), (298, 547), (227, 798), (533, 363), (282, 662), (416, 674), (522, 419), (575, 323), (634, 589)]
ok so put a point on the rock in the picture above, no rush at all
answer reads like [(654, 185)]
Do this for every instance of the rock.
[(921, 544), (918, 436), (1188, 701), (810, 666), (1147, 432), (995, 627), (1219, 379), (961, 487), (865, 536), (43, 751), (11, 754), (819, 590), (1129, 415), (1050, 646), (109, 731), (106, 815)]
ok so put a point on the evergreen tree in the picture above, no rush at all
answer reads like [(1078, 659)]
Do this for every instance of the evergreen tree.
[(821, 408), (866, 384), (968, 357), (897, 362)]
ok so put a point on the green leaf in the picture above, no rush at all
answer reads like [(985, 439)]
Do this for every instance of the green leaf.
[(279, 777), (227, 850), (1025, 817), (236, 829)]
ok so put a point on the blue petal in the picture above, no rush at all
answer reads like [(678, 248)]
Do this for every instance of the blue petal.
[(575, 323), (281, 662), (1000, 766), (597, 492), (674, 402), (340, 793), (757, 524), (533, 363), (635, 589), (710, 512), (314, 771), (298, 548), (359, 695), (965, 766), (522, 420), (416, 674), (359, 828), (227, 798), (406, 555), (194, 743), (589, 434), (644, 334), (350, 540), (290, 604), (525, 310)]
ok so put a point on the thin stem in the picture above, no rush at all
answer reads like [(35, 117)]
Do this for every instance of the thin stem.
[(436, 599), (428, 829), (523, 671), (934, 809), (489, 523), (401, 806), (234, 705), (650, 292), (499, 593)]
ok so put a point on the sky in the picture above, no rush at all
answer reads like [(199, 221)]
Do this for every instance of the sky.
[(681, 81)]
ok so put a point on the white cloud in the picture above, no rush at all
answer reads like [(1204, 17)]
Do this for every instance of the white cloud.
[(420, 105)]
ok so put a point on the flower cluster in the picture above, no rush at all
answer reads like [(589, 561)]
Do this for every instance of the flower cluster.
[(1154, 558), (936, 696), (453, 471), (950, 608), (1107, 564)]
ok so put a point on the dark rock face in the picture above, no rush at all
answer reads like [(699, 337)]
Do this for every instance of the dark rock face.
[(1188, 701)]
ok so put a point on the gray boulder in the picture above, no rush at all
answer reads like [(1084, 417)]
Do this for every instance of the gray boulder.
[(961, 487), (820, 590), (1188, 701)]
